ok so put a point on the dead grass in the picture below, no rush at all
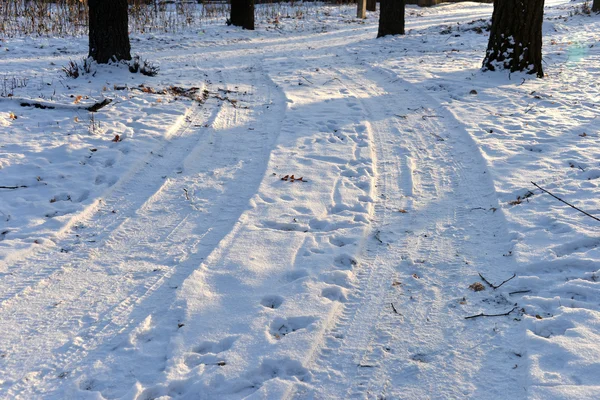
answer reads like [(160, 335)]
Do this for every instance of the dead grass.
[(70, 17)]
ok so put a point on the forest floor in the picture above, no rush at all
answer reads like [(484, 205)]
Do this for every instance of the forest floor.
[(303, 211)]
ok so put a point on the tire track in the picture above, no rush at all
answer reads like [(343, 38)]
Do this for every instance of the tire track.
[(131, 237), (412, 257)]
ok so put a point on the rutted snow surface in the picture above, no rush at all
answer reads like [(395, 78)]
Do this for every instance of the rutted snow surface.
[(177, 263)]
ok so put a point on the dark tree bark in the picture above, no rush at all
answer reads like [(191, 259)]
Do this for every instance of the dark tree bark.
[(108, 30), (391, 17), (361, 9), (596, 6), (516, 37), (371, 5), (242, 13)]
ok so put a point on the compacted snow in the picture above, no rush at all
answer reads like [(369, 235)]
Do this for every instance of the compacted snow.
[(303, 211)]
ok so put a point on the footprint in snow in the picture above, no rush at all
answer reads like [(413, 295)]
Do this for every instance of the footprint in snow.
[(281, 327)]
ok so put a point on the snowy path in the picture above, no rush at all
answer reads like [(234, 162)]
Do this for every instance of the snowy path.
[(421, 260), (205, 272), (120, 266)]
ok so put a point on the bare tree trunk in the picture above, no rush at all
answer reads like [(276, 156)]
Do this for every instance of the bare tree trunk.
[(596, 6), (242, 13), (371, 5), (391, 17), (516, 37), (361, 9), (108, 30)]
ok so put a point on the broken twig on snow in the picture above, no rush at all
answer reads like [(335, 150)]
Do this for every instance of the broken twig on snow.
[(13, 187), (394, 309), (491, 315), (496, 286), (519, 292), (561, 200)]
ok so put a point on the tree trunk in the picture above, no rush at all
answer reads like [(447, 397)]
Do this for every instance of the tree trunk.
[(242, 13), (596, 6), (516, 37), (391, 18), (372, 5), (108, 30), (361, 9)]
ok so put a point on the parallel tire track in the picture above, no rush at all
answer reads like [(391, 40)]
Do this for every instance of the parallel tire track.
[(367, 332)]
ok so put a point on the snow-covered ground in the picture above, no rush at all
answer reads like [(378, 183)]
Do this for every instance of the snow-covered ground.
[(180, 259)]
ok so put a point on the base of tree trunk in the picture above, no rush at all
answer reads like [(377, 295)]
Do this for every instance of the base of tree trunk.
[(109, 30), (516, 37), (391, 17), (242, 13), (371, 5), (596, 6)]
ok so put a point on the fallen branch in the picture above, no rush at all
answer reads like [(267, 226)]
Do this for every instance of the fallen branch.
[(99, 105), (494, 286), (491, 315), (394, 309), (519, 292), (561, 200), (438, 137), (50, 105), (13, 187)]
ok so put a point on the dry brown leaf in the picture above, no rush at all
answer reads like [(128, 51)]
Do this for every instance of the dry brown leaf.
[(477, 287)]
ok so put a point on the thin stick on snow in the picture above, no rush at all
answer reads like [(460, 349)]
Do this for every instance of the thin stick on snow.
[(494, 286), (519, 292), (491, 315), (13, 187), (561, 200), (394, 309)]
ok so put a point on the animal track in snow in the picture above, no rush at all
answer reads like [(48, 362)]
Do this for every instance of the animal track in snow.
[(272, 301), (339, 278), (293, 276), (207, 352), (215, 347), (341, 241), (285, 226), (284, 326), (577, 246), (327, 226), (284, 368), (346, 262), (334, 293), (100, 179)]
